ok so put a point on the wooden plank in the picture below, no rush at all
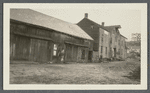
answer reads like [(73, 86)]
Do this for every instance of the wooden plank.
[(76, 44), (21, 45), (31, 50), (41, 50), (33, 36), (50, 51), (75, 53)]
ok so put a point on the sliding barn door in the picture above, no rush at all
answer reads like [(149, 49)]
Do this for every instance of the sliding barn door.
[(74, 53), (40, 50), (19, 47), (71, 53)]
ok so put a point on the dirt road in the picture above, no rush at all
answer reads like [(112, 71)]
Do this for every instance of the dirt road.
[(77, 73)]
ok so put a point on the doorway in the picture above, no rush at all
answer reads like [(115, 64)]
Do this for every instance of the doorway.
[(90, 56), (114, 52), (40, 50)]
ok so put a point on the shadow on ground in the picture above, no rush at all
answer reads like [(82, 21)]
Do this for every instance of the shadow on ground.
[(135, 74)]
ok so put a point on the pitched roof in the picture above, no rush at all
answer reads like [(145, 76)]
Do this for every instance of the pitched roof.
[(37, 18), (95, 23), (111, 28), (123, 36), (115, 26)]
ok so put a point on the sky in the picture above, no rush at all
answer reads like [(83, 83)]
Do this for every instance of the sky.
[(128, 16)]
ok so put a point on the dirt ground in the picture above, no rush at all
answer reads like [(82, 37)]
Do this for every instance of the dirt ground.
[(76, 73)]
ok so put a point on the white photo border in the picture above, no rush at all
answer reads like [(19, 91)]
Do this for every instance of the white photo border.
[(6, 38)]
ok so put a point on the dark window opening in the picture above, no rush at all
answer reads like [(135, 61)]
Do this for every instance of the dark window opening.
[(83, 54), (110, 40), (118, 42), (106, 50), (90, 55), (101, 49), (102, 39), (119, 51), (114, 52)]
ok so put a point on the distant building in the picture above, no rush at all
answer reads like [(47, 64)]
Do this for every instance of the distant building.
[(135, 44), (133, 47), (41, 38), (108, 42), (136, 37)]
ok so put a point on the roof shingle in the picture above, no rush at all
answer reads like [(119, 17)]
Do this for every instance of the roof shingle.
[(37, 18)]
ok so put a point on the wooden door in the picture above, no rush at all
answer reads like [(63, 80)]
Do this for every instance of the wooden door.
[(71, 53), (75, 50), (34, 50), (90, 56), (20, 47), (114, 52), (39, 50), (43, 50), (68, 53)]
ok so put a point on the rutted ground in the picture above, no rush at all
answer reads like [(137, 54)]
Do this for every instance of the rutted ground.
[(77, 73)]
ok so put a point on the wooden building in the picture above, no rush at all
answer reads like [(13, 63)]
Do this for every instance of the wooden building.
[(41, 38), (107, 39)]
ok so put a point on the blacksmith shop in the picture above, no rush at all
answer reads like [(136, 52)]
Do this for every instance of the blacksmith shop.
[(41, 38)]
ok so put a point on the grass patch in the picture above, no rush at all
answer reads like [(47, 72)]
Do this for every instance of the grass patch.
[(90, 73)]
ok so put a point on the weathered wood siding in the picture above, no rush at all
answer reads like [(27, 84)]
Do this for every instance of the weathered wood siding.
[(34, 43), (30, 43), (71, 53), (20, 48), (92, 30), (40, 50), (81, 57)]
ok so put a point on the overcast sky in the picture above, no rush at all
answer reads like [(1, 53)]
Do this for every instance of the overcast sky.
[(114, 14)]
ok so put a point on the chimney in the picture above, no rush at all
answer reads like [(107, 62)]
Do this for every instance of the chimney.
[(103, 23), (86, 15)]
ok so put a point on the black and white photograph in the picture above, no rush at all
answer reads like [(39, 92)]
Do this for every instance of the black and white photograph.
[(75, 46)]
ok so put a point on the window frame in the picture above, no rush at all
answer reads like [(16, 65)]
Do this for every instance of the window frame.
[(55, 50)]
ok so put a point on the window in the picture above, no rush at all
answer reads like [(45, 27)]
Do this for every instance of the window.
[(111, 40), (119, 51), (101, 49), (83, 54), (55, 50), (92, 26), (87, 42), (106, 50), (118, 42), (102, 39)]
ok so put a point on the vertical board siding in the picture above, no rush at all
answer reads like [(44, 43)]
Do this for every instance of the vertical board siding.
[(73, 53), (40, 50), (24, 46), (21, 47)]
